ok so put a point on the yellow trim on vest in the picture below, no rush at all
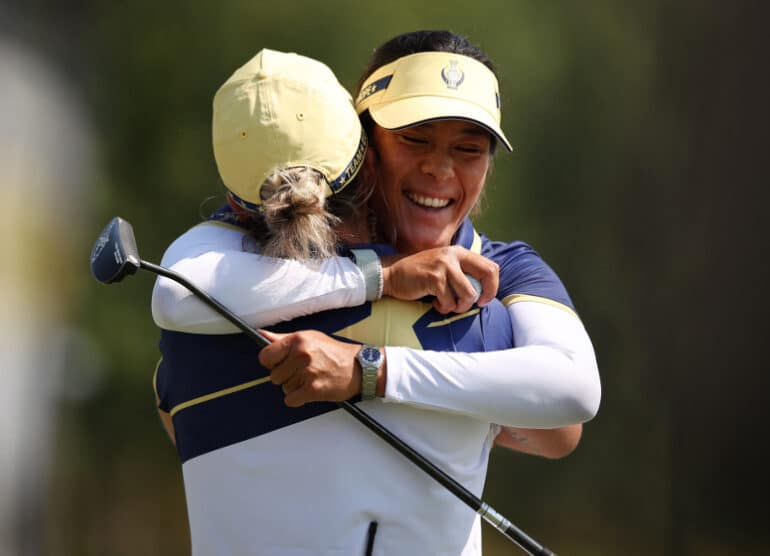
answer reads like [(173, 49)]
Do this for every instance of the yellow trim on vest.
[(450, 320), (218, 394), (519, 297), (155, 378), (476, 245)]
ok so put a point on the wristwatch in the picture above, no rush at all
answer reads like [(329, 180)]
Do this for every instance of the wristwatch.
[(370, 358), (369, 263)]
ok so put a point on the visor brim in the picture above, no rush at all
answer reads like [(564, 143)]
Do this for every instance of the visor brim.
[(412, 111)]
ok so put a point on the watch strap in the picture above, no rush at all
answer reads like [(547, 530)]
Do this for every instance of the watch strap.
[(368, 384), (371, 267)]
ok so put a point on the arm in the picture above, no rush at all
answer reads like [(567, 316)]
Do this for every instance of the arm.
[(264, 290), (165, 416), (261, 290), (548, 443), (550, 380)]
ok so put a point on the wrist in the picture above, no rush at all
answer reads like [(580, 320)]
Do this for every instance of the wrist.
[(382, 375), (370, 359), (387, 273)]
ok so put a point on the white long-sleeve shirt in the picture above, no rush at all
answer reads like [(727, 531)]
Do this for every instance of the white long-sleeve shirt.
[(549, 379)]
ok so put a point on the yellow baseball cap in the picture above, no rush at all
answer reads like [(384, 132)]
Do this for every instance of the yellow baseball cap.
[(283, 110), (428, 86)]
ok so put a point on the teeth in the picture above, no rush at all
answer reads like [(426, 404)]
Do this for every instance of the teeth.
[(428, 201)]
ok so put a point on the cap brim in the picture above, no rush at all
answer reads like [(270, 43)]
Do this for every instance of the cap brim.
[(412, 111)]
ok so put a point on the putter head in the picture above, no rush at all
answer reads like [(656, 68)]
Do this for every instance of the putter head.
[(115, 255)]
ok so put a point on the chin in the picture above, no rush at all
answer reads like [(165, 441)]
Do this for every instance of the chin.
[(415, 245)]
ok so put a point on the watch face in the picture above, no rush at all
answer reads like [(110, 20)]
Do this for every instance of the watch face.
[(370, 354)]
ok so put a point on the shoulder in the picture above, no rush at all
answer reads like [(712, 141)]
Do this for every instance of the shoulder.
[(506, 250), (211, 235), (523, 272)]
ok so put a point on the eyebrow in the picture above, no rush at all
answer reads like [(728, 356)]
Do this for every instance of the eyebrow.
[(476, 130), (470, 129)]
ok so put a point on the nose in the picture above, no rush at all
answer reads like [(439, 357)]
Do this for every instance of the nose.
[(438, 164)]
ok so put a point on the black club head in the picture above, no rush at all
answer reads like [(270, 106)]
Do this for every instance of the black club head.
[(115, 255)]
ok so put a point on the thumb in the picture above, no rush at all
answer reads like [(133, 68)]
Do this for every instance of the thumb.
[(275, 352), (272, 336)]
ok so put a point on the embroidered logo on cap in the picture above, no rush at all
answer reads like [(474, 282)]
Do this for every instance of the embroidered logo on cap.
[(452, 75)]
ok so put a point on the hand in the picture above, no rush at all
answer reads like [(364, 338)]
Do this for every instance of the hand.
[(440, 272), (311, 367)]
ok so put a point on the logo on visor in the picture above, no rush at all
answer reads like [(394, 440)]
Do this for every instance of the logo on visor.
[(452, 75), (379, 85)]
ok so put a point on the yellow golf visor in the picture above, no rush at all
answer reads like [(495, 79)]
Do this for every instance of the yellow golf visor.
[(431, 86)]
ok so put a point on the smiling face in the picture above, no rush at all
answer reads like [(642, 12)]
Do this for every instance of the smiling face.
[(429, 177)]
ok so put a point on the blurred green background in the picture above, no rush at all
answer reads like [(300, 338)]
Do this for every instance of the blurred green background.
[(640, 131)]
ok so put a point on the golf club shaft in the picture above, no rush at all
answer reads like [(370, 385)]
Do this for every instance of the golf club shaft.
[(208, 300), (524, 541), (489, 514)]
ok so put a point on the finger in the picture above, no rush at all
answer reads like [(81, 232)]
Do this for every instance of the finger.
[(489, 287), (445, 299), (273, 354), (445, 303), (293, 383), (476, 286), (463, 294), (272, 336), (485, 271), (466, 293), (283, 372), (298, 397)]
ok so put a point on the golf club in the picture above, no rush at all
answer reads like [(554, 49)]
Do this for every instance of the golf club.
[(115, 256)]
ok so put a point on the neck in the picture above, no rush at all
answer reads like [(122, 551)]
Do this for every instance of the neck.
[(354, 231)]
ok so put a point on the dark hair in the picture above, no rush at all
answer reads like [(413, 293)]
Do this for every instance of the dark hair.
[(423, 41), (412, 43)]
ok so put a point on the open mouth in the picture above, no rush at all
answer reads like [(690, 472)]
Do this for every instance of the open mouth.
[(428, 202)]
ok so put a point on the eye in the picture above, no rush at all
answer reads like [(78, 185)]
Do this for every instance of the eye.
[(471, 149), (413, 139)]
